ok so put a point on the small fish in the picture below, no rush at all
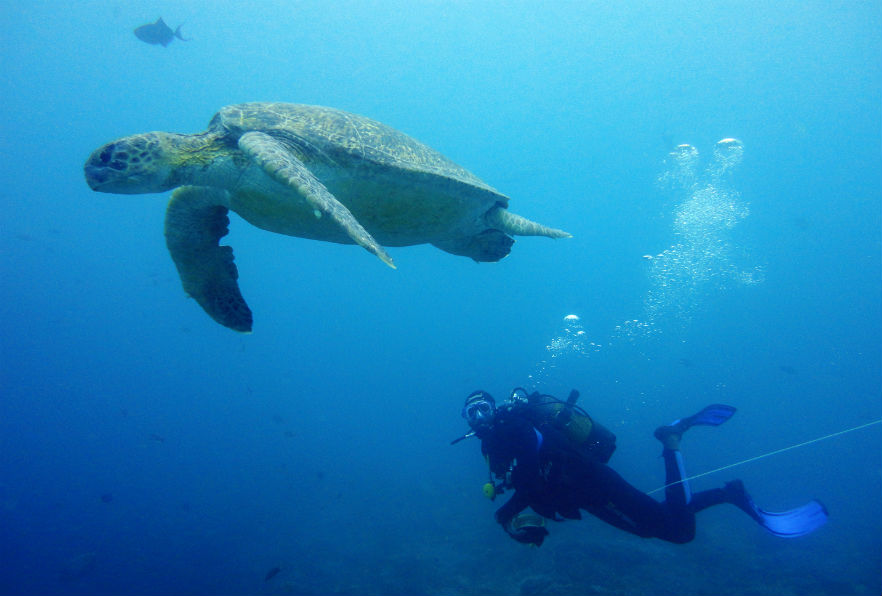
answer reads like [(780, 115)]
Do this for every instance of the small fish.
[(157, 438), (158, 33), (106, 497), (272, 573)]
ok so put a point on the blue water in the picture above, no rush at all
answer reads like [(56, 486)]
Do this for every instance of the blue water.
[(148, 450)]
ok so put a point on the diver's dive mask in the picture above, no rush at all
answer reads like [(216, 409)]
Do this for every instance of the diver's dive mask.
[(479, 409)]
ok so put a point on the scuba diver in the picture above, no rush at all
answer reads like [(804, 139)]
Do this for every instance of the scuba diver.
[(554, 457)]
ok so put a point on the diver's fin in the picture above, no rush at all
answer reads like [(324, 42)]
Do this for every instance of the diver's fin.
[(784, 524), (795, 522), (712, 415)]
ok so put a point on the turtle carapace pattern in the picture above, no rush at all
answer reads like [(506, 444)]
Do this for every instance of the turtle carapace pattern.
[(306, 171)]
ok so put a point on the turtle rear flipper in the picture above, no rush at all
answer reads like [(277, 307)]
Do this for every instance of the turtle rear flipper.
[(196, 219), (487, 247), (277, 161)]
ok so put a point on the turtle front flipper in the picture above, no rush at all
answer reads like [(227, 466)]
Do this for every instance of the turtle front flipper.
[(196, 219), (279, 163)]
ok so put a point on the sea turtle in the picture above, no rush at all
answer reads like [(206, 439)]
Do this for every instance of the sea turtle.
[(306, 171)]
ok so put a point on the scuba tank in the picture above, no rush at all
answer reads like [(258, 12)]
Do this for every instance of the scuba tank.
[(585, 434)]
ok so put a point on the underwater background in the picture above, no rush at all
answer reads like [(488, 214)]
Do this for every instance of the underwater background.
[(148, 450)]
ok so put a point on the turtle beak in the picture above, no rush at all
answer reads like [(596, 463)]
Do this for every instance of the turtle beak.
[(104, 179), (106, 174), (96, 176), (98, 170)]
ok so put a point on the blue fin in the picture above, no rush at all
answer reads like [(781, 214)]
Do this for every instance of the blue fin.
[(784, 524), (712, 415), (796, 522)]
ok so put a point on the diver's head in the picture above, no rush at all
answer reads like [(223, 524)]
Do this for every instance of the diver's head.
[(479, 409)]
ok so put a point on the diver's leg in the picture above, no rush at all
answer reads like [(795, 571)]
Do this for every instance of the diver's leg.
[(676, 486), (677, 491), (680, 526), (707, 498), (609, 497), (679, 495), (786, 524)]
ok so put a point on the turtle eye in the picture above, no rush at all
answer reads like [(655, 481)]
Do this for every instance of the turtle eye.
[(106, 154)]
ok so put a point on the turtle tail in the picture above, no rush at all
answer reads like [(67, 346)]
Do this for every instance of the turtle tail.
[(511, 223)]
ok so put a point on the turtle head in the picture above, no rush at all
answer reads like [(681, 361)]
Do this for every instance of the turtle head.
[(134, 165)]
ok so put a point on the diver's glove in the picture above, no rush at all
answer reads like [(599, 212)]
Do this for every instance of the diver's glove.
[(534, 535)]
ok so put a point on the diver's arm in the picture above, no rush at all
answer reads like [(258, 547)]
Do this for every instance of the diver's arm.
[(526, 535), (517, 444), (526, 475), (515, 504)]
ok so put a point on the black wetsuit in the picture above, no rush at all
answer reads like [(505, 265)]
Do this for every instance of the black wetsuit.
[(554, 479)]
